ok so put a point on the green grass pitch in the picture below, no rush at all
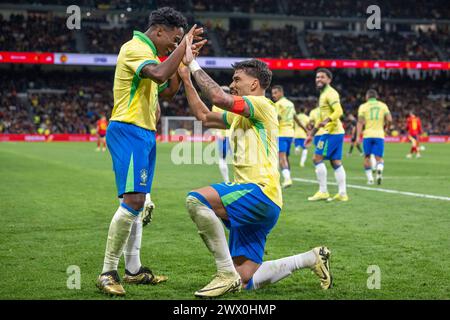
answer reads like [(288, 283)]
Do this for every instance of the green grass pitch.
[(57, 200)]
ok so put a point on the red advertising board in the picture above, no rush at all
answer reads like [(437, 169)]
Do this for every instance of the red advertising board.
[(172, 138)]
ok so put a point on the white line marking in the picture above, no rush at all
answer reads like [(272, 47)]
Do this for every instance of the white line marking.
[(412, 194)]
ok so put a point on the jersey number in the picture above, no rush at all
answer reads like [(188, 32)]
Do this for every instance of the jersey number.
[(374, 113)]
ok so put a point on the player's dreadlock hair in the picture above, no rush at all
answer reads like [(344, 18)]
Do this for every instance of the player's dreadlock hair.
[(371, 93), (169, 17), (326, 71), (257, 69)]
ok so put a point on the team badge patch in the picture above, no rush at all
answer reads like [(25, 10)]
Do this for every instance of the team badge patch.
[(144, 176)]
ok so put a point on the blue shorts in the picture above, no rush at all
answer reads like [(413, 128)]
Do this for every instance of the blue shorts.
[(373, 146), (252, 215), (330, 146), (133, 153), (316, 140), (299, 142), (284, 144), (223, 146)]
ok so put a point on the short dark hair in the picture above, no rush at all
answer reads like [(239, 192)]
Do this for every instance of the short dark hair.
[(278, 87), (257, 69), (326, 71), (169, 17), (371, 93)]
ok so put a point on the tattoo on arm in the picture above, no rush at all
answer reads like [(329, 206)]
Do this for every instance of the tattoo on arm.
[(208, 86)]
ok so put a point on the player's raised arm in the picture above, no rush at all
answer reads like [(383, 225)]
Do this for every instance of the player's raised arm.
[(213, 91), (174, 83), (160, 73), (196, 105)]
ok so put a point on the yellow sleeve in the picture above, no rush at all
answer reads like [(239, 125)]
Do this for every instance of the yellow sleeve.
[(257, 111), (163, 86), (361, 111), (335, 104), (228, 118), (386, 110), (137, 59)]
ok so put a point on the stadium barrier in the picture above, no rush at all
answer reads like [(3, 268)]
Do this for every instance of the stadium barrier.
[(171, 138)]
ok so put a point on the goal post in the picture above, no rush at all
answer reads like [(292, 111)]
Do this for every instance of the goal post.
[(174, 128)]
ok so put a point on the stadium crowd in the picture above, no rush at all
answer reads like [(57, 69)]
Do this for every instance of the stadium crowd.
[(59, 102), (423, 9), (47, 33), (374, 46)]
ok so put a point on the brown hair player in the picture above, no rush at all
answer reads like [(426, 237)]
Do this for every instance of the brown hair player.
[(102, 124)]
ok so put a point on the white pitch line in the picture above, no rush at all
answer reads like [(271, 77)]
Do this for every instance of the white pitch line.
[(412, 194)]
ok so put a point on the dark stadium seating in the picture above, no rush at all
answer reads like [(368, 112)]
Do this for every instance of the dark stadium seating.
[(87, 95)]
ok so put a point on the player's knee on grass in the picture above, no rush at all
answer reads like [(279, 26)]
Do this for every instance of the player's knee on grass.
[(134, 200)]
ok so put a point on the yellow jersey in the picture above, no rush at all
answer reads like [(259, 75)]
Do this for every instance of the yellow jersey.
[(219, 132), (254, 145), (299, 132), (136, 98), (330, 107), (373, 112), (286, 111), (314, 116)]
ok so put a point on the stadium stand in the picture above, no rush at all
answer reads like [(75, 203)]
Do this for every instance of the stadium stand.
[(71, 102)]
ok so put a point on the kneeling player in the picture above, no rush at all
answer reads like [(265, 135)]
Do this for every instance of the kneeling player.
[(250, 206), (374, 115)]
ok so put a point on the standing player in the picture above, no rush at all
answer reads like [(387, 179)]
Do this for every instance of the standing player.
[(250, 206), (286, 112), (131, 138), (354, 134), (375, 116), (300, 135), (414, 127), (223, 144), (102, 124), (286, 117), (330, 145)]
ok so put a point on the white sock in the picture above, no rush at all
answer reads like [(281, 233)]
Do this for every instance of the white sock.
[(369, 174), (339, 174), (380, 166), (119, 231), (148, 197), (373, 162), (303, 158), (133, 247), (275, 270), (321, 173), (286, 174), (224, 169), (212, 233)]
